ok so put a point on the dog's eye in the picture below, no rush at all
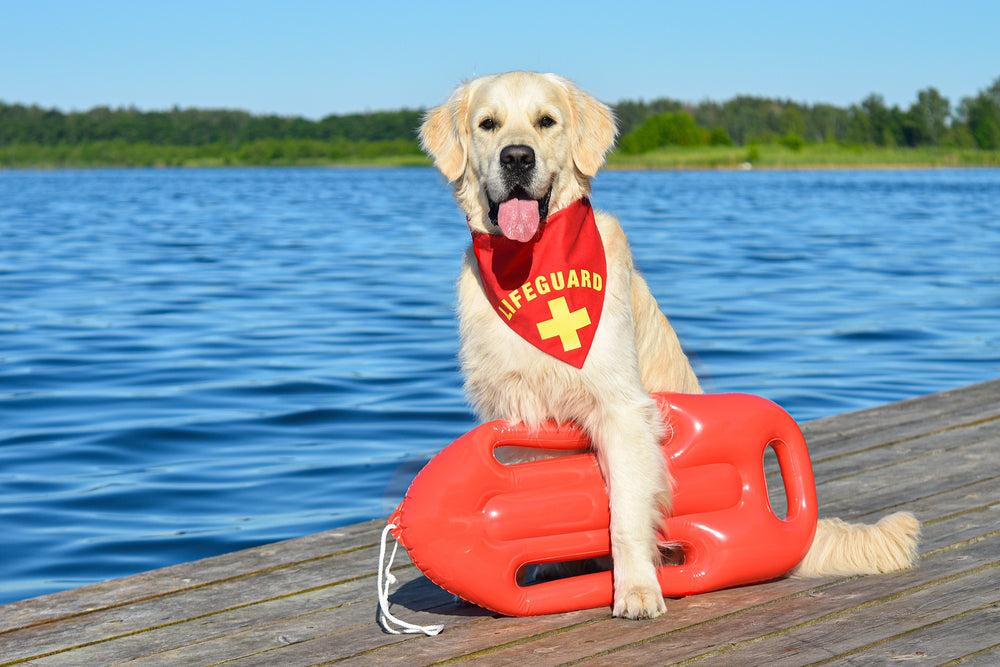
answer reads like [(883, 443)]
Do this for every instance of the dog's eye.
[(487, 124), (546, 121)]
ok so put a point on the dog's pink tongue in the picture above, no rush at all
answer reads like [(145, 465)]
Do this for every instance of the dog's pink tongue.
[(518, 219)]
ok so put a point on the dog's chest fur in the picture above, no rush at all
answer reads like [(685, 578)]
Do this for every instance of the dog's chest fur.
[(508, 378)]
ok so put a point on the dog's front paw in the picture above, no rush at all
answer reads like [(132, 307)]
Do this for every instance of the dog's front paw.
[(639, 602)]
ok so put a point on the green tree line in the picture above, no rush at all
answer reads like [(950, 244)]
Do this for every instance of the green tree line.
[(35, 135), (21, 124), (30, 135), (118, 152), (931, 120)]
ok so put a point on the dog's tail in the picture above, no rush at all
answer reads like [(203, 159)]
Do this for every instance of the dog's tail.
[(843, 549)]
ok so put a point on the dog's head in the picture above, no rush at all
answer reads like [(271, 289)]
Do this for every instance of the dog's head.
[(516, 146)]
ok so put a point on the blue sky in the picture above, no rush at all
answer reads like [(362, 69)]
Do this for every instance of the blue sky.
[(312, 58)]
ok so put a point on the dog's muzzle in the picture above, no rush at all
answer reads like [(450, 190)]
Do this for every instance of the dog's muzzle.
[(518, 213)]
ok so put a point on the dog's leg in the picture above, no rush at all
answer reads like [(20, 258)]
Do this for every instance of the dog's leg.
[(627, 445)]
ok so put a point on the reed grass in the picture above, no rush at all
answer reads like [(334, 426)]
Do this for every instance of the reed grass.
[(810, 156), (316, 153)]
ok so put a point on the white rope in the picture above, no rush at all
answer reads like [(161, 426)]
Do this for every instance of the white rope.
[(383, 595)]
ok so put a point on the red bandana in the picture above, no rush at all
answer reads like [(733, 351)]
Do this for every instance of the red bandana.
[(549, 290)]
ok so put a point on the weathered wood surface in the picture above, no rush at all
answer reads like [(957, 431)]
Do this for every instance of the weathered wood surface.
[(312, 600)]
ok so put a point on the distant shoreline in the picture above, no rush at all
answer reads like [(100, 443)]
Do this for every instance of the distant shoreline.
[(734, 158), (809, 156), (808, 167)]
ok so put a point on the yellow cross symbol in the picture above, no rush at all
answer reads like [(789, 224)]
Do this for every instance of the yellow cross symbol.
[(564, 324)]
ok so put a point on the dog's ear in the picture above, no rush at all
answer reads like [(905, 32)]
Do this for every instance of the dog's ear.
[(444, 134), (595, 131)]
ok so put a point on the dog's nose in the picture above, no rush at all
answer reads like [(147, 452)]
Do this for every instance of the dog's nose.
[(518, 157)]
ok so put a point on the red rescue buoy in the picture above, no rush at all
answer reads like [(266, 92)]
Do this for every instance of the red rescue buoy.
[(470, 523)]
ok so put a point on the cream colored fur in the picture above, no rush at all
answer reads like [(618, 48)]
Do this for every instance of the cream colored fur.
[(841, 548), (635, 350)]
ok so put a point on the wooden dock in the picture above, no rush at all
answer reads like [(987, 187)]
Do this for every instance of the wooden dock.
[(312, 600)]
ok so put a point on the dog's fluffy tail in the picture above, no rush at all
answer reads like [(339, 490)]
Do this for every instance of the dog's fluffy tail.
[(841, 548)]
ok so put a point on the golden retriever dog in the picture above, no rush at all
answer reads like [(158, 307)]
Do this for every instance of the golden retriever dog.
[(519, 149)]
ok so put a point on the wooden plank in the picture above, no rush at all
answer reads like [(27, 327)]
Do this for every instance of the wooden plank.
[(187, 576), (414, 651), (915, 417), (970, 421), (540, 641), (606, 634), (408, 656), (867, 459), (195, 603), (720, 637), (910, 617), (267, 624), (985, 657), (954, 505), (312, 599), (966, 639), (942, 536), (894, 488), (880, 482), (253, 635)]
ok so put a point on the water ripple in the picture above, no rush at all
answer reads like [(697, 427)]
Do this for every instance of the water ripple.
[(197, 361)]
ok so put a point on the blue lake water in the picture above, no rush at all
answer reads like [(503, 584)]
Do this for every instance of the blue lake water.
[(198, 361)]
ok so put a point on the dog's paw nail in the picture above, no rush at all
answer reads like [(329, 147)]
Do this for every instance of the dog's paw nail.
[(639, 602)]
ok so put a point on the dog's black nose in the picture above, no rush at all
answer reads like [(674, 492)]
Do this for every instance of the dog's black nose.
[(518, 157)]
